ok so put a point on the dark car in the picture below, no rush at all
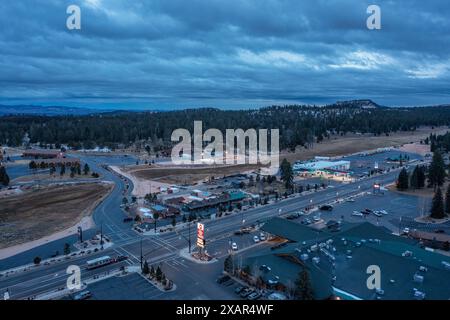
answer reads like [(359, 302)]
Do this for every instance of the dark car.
[(223, 279), (326, 207), (127, 219), (439, 231), (121, 258), (246, 292), (238, 290)]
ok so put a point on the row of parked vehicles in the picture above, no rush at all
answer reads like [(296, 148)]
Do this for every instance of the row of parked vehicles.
[(247, 293), (365, 212), (242, 291)]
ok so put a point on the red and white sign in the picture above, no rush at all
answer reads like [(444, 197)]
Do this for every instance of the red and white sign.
[(201, 235)]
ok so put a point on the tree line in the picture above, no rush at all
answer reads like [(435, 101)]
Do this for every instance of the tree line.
[(299, 125)]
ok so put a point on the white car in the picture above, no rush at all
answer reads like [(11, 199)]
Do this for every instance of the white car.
[(262, 236), (316, 219), (234, 246), (378, 214), (383, 212), (256, 239), (357, 214)]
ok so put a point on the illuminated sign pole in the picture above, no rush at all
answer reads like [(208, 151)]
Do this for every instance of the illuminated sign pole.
[(201, 235)]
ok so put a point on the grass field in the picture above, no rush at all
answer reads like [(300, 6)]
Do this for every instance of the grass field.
[(338, 146), (42, 212), (188, 175)]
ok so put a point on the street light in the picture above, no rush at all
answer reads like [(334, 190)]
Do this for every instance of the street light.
[(188, 239)]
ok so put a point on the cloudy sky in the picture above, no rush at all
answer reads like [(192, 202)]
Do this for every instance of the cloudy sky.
[(164, 54)]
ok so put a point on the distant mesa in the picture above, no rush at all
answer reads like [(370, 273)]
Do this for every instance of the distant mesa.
[(362, 104)]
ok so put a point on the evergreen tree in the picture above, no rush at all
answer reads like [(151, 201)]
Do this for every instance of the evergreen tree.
[(228, 264), (436, 173), (63, 170), (402, 181), (437, 207), (447, 200), (421, 177), (32, 165), (4, 178), (414, 181), (86, 169), (145, 269), (287, 175), (158, 274), (304, 290), (152, 271), (66, 248)]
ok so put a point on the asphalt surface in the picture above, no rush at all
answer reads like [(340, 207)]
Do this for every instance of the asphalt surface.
[(165, 247), (162, 249)]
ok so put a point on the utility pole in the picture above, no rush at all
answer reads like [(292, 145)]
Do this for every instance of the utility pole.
[(101, 235), (142, 257), (189, 236)]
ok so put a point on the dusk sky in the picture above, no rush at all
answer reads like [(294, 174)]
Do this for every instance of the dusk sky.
[(163, 54)]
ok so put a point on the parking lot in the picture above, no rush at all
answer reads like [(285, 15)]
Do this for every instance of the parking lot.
[(399, 209), (131, 287)]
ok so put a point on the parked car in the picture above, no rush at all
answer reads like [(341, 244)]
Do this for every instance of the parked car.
[(253, 296), (316, 218), (238, 290), (83, 295), (223, 279), (326, 207), (246, 292), (234, 246), (378, 214), (262, 236), (357, 214), (255, 239), (127, 219)]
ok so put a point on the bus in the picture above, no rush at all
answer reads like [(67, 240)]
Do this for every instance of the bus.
[(99, 262)]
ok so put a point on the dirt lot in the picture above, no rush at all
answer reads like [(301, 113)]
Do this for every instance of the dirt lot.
[(39, 213), (187, 175), (54, 177), (337, 146)]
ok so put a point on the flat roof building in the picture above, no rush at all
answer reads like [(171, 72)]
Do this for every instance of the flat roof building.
[(322, 165), (409, 271)]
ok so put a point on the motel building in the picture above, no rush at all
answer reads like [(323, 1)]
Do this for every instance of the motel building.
[(325, 168)]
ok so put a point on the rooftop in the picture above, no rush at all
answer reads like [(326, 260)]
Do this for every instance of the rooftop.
[(358, 246)]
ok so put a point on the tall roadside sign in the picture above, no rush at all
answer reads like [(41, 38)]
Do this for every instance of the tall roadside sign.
[(201, 235)]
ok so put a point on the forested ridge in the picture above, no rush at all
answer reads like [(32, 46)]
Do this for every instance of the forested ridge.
[(298, 124)]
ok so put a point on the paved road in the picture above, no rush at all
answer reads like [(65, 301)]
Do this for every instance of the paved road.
[(107, 215), (166, 247)]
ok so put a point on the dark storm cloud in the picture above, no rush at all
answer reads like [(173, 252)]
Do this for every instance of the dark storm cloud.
[(176, 53)]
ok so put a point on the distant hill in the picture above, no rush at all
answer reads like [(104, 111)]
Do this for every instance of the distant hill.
[(362, 104), (47, 110)]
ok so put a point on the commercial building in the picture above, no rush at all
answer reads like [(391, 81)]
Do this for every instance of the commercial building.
[(42, 154), (409, 270), (321, 165)]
